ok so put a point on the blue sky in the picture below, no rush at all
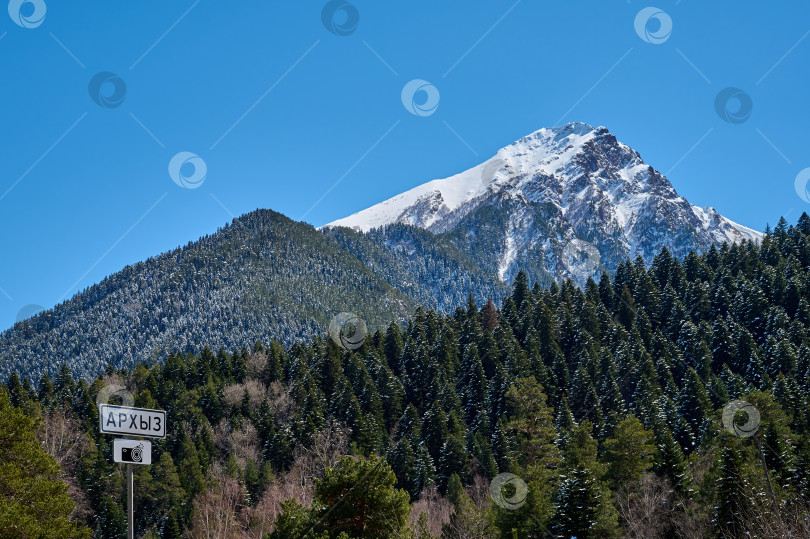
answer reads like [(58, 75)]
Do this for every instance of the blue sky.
[(280, 109)]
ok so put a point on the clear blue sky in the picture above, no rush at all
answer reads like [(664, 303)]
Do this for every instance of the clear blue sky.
[(86, 189)]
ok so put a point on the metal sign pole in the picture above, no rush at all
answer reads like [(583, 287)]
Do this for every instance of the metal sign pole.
[(130, 504), (139, 422)]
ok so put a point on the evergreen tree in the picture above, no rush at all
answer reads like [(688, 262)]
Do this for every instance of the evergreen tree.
[(166, 490), (489, 316), (453, 459), (403, 463), (467, 521), (670, 462), (583, 507), (190, 470), (693, 405), (35, 502), (733, 490), (111, 521), (474, 385), (454, 489), (425, 469), (531, 422), (471, 394), (434, 430), (356, 498), (630, 452)]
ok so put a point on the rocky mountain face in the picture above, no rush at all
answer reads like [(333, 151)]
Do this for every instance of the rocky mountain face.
[(562, 202)]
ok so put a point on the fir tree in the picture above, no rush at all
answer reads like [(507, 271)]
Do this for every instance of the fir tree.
[(733, 490), (583, 507)]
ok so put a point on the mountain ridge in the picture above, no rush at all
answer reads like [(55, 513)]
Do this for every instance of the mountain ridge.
[(262, 277), (566, 203)]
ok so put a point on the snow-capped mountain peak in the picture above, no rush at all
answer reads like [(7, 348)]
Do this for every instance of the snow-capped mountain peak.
[(547, 151), (557, 187)]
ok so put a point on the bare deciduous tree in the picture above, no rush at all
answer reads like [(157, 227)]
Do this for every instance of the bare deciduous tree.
[(233, 394), (255, 365), (436, 508), (62, 438), (328, 447), (242, 443), (217, 510), (758, 518), (298, 483), (282, 405), (644, 507)]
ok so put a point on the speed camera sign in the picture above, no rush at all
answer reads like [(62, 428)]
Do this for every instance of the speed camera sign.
[(132, 451)]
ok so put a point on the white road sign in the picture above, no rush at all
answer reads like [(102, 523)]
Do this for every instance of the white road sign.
[(132, 451), (132, 421)]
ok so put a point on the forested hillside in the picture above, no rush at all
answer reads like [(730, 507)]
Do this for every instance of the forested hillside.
[(607, 404), (261, 277)]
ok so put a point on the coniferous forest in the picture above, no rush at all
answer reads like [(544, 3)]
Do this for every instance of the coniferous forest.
[(668, 400)]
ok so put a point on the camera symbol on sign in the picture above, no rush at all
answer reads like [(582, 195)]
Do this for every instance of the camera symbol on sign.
[(132, 454)]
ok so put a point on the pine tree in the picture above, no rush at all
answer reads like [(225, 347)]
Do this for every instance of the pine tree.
[(425, 469), (502, 445), (693, 404), (356, 498), (481, 452), (454, 489), (467, 521), (626, 308), (15, 391), (422, 530), (274, 369), (46, 391), (35, 501), (630, 452), (474, 385), (531, 423), (434, 430), (670, 462), (167, 489), (520, 290), (111, 522), (254, 481), (64, 384), (410, 426)]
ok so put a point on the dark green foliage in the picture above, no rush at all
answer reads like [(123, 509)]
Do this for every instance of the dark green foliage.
[(356, 498), (111, 521), (454, 489), (261, 275), (33, 501), (453, 460), (580, 392), (733, 490), (630, 452), (403, 463), (583, 505)]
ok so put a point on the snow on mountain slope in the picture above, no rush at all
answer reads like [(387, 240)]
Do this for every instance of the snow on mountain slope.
[(445, 196), (590, 190)]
